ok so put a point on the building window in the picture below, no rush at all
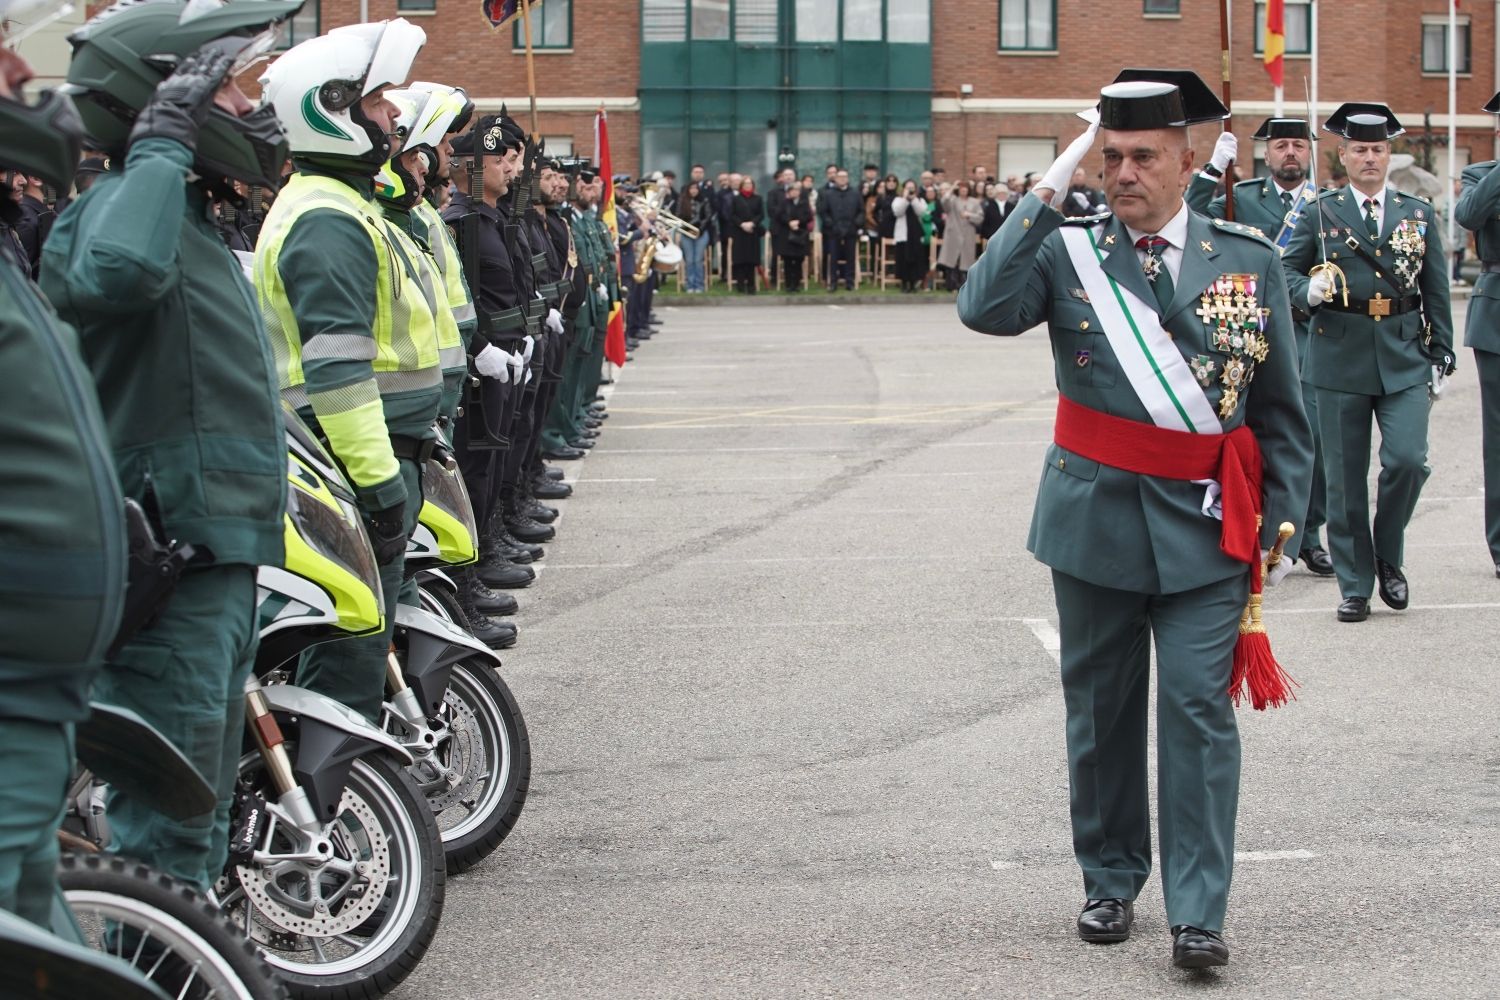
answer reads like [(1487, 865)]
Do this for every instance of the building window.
[(905, 154), (1028, 26), (1019, 157), (1435, 45), (862, 20), (755, 20), (664, 20), (558, 145), (1163, 6), (551, 25), (906, 22), (817, 21), (416, 6), (1296, 21), (710, 20), (302, 26)]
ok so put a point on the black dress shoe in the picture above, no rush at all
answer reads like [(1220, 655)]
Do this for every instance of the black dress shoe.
[(580, 444), (592, 423), (539, 512), (1354, 609), (490, 603), (551, 473), (529, 530), (1106, 921), (546, 489), (496, 635), (1497, 571), (525, 551), (506, 576), (1317, 560), (1198, 949), (1392, 585), (563, 454)]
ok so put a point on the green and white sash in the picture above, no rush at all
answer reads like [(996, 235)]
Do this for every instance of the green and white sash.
[(1150, 360)]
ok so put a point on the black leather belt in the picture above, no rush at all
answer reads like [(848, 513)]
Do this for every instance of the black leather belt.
[(1377, 307), (1489, 266), (417, 450)]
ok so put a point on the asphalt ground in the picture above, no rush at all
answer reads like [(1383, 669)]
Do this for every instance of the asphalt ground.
[(791, 684)]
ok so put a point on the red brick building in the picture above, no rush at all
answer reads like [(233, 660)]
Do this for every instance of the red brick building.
[(732, 83)]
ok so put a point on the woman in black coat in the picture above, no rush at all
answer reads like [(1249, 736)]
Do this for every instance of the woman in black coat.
[(994, 211), (747, 225), (791, 240)]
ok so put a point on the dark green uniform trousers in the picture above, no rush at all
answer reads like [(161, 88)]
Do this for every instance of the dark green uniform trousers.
[(1488, 366), (352, 671), (1106, 673), (38, 758), (1344, 425), (186, 676), (1317, 512)]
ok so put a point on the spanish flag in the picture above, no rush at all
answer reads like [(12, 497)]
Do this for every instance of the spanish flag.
[(1275, 43), (614, 333)]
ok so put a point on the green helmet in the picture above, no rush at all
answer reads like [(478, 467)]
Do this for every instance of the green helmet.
[(124, 52), (42, 137)]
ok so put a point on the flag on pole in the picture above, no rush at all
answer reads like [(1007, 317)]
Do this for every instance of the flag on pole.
[(1275, 39), (614, 334), (497, 12)]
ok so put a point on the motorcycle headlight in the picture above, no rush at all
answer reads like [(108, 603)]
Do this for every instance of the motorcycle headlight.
[(447, 514), (327, 544)]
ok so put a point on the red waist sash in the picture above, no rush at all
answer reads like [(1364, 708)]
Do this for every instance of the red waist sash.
[(1232, 459)]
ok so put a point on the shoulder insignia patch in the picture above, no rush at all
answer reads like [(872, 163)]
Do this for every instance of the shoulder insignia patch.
[(1087, 220)]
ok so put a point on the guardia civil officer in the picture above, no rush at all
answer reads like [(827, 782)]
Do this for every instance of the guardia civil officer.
[(62, 544), (1176, 362), (342, 308), (1267, 203), (1478, 210), (1380, 355), (184, 371)]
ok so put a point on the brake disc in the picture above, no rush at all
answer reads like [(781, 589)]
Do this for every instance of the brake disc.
[(463, 754), (320, 900)]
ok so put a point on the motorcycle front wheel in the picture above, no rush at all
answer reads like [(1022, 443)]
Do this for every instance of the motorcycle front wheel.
[(355, 925), (167, 930)]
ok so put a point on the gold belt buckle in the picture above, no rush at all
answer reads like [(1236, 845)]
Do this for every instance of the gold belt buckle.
[(1380, 306)]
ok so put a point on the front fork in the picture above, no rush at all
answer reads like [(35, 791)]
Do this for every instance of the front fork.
[(290, 796), (407, 724)]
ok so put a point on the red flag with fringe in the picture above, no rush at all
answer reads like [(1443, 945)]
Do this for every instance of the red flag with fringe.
[(614, 334)]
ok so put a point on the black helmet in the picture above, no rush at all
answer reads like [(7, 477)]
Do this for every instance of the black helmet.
[(122, 53)]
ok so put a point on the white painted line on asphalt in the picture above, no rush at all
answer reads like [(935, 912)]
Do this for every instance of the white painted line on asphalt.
[(591, 565), (836, 308), (1274, 855), (615, 480), (1001, 866), (1046, 634), (1378, 610), (988, 444), (1448, 499), (655, 392)]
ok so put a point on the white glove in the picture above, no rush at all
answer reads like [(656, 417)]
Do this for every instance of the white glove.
[(1320, 288), (1060, 175), (603, 294), (1226, 151), (517, 367), (491, 362), (527, 350), (1438, 384), (554, 321), (1275, 574)]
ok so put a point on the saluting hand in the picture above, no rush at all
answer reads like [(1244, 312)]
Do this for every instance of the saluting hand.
[(1060, 174), (183, 100)]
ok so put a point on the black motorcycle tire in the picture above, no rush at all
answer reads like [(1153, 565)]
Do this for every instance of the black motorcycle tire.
[(397, 961), (476, 683), (124, 887)]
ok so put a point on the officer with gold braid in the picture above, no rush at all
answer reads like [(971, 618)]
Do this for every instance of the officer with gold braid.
[(1179, 427), (343, 305)]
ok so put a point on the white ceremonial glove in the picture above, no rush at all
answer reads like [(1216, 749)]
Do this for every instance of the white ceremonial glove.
[(526, 352), (554, 321), (491, 362), (1275, 574), (1320, 288), (1226, 151), (1060, 175), (517, 365), (1438, 384), (603, 294)]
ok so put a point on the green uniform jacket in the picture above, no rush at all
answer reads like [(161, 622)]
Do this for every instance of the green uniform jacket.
[(1104, 525), (1353, 352), (1478, 211), (62, 542), (173, 335)]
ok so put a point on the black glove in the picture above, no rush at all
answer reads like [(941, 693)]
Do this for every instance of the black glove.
[(387, 530), (183, 100), (1446, 362)]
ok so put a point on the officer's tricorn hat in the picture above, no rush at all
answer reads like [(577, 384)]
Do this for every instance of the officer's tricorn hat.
[(1493, 107), (1283, 128), (1364, 122), (1141, 99)]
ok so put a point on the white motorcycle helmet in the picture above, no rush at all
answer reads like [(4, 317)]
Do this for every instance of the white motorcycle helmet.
[(446, 109), (428, 112), (316, 88)]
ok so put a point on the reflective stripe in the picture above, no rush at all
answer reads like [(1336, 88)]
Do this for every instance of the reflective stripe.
[(463, 313), (454, 359), (345, 398), (426, 378), (340, 345)]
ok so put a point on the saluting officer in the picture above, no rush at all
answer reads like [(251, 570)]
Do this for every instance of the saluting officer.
[(1175, 355), (1267, 204), (1379, 354), (1478, 210)]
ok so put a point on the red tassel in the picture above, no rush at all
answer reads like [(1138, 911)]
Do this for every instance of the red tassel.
[(1255, 667)]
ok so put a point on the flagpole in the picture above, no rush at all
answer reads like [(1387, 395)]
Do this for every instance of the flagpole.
[(1452, 119), (530, 66), (1312, 39)]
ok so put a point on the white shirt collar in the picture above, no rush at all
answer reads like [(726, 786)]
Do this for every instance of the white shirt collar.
[(1174, 232), (1360, 196)]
